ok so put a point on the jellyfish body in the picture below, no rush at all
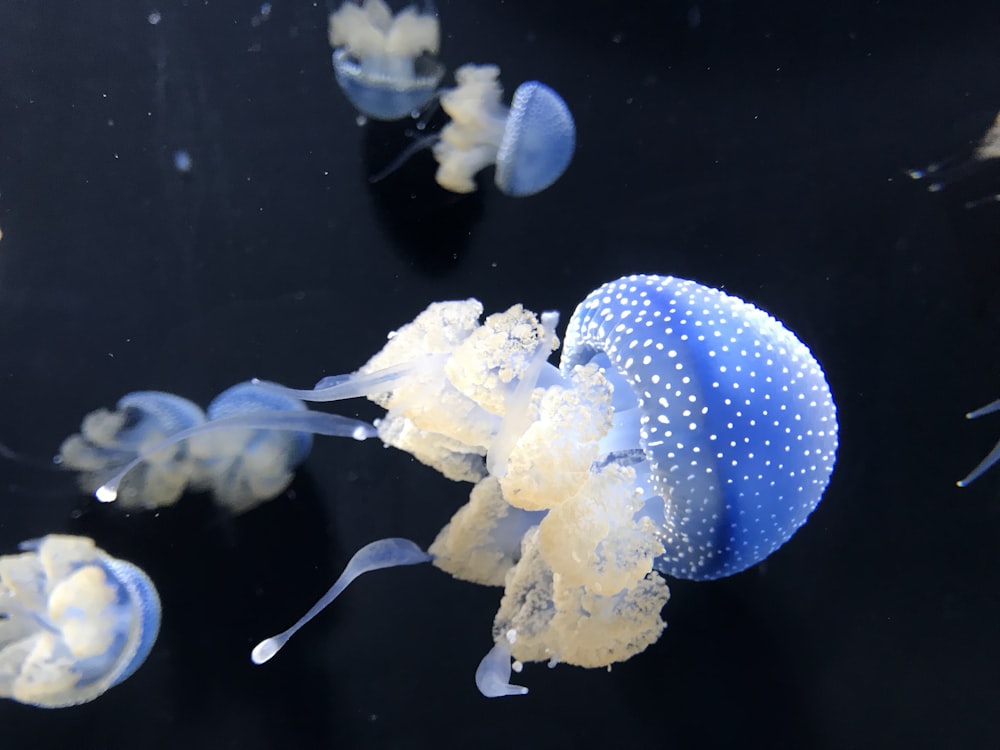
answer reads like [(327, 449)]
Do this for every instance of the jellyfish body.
[(685, 432), (383, 63), (140, 421), (74, 621), (249, 466), (737, 421), (531, 143), (155, 446)]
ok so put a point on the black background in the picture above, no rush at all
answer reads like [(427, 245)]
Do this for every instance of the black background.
[(762, 150)]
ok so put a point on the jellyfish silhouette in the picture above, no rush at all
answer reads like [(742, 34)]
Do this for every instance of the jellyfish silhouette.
[(383, 63), (74, 621)]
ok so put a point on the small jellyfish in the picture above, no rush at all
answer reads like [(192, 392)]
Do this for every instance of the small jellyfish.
[(994, 455), (74, 621), (384, 64), (182, 161), (956, 168), (532, 143), (686, 433), (245, 467), (155, 446), (140, 421)]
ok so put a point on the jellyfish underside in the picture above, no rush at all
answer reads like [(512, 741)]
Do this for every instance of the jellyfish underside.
[(383, 63), (74, 621), (480, 403)]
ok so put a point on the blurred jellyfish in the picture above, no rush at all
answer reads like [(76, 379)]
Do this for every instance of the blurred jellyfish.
[(532, 143), (245, 467), (182, 161), (140, 420), (686, 433), (74, 621), (954, 169), (155, 446), (383, 63), (994, 455)]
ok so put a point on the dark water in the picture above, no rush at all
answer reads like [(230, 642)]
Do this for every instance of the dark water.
[(762, 150)]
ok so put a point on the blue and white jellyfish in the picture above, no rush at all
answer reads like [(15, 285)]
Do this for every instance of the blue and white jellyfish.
[(140, 420), (155, 446), (385, 63), (74, 621), (686, 433), (531, 143)]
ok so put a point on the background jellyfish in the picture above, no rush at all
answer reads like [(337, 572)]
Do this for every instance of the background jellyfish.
[(74, 621), (384, 63), (948, 171), (155, 446), (992, 457), (531, 143), (140, 420), (686, 432)]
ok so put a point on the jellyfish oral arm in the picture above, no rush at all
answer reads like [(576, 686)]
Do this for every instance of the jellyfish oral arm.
[(493, 674), (358, 385), (518, 417), (318, 423), (384, 553)]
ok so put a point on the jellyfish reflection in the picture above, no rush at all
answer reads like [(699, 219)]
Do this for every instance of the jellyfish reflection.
[(74, 621)]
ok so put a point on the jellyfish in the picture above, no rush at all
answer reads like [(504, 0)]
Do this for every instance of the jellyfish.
[(954, 169), (994, 455), (155, 446), (685, 433), (74, 621), (531, 143), (383, 63), (139, 421)]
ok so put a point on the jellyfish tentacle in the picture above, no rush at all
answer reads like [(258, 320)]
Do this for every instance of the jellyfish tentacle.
[(994, 455), (420, 144), (358, 384), (517, 417), (319, 423), (384, 553), (493, 674)]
